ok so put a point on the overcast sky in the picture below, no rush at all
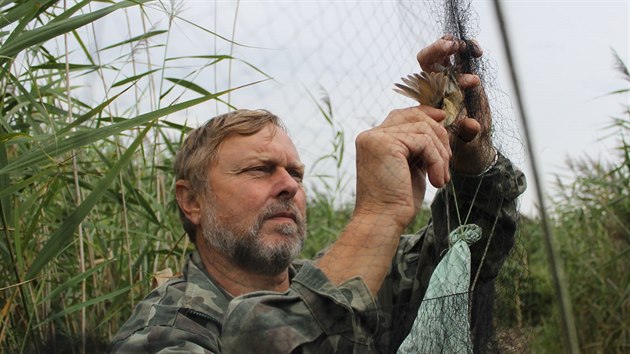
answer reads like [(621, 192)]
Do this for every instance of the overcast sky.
[(356, 50), (564, 60)]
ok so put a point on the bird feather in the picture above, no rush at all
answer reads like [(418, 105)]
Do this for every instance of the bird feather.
[(435, 89)]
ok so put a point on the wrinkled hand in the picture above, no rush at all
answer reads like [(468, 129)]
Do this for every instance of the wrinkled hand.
[(470, 138), (395, 158), (393, 161)]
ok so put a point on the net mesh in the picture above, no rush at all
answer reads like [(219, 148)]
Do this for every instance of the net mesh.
[(330, 67), (333, 65)]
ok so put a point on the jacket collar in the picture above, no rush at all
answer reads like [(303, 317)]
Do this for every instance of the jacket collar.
[(202, 294)]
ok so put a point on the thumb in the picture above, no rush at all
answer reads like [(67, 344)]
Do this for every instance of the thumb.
[(467, 129)]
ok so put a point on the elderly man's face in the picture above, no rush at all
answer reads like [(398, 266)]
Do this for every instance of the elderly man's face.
[(255, 213)]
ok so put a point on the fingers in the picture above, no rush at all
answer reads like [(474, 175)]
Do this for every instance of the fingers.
[(429, 154), (475, 48), (470, 136), (418, 149), (416, 137), (418, 119), (412, 114), (468, 81), (467, 129), (439, 54), (422, 140)]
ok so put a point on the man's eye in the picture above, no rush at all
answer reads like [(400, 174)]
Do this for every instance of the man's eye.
[(261, 169), (298, 176)]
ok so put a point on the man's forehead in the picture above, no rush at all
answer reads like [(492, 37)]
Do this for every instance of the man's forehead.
[(294, 161), (265, 154), (268, 144)]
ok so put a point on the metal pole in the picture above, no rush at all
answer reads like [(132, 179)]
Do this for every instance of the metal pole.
[(555, 264)]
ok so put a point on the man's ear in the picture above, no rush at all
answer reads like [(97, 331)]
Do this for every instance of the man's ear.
[(188, 203)]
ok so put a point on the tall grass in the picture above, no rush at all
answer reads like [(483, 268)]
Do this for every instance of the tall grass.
[(88, 129), (591, 221), (86, 142)]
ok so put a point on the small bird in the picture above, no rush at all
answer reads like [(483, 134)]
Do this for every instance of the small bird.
[(435, 89)]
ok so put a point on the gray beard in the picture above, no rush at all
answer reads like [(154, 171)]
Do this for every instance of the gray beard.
[(244, 246)]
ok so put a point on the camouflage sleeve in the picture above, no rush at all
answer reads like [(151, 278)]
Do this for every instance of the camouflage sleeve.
[(163, 340), (488, 200), (314, 316)]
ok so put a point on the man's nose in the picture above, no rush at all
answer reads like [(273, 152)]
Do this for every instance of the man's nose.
[(286, 186)]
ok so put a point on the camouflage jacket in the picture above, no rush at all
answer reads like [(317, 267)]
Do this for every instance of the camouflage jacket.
[(193, 314)]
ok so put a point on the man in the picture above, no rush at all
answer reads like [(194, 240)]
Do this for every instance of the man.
[(239, 189)]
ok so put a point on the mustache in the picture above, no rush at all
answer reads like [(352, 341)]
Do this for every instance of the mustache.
[(284, 206)]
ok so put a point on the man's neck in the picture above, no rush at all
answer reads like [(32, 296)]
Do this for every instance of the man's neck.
[(235, 280)]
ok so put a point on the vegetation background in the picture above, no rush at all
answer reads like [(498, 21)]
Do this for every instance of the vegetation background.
[(87, 219)]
